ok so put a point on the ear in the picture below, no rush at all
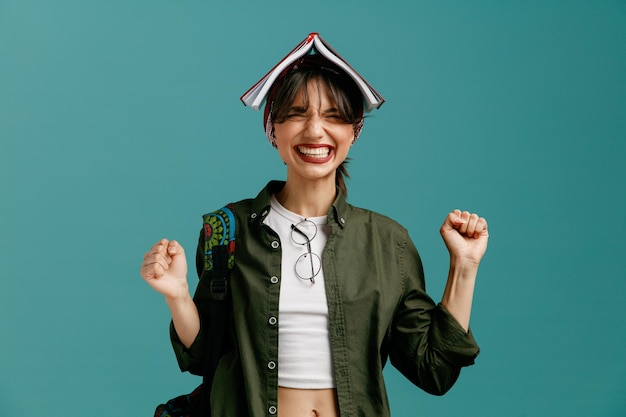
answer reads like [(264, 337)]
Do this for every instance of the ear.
[(358, 127)]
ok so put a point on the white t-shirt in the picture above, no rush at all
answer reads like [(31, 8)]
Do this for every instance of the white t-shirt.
[(304, 354)]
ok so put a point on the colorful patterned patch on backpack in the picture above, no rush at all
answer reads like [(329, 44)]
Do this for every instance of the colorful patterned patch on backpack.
[(219, 229)]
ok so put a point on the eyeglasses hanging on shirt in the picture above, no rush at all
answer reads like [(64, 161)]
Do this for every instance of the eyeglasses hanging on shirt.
[(309, 264)]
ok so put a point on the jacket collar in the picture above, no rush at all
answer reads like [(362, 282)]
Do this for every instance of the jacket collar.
[(260, 208)]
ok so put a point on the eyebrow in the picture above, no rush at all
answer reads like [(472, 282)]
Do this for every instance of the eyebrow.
[(331, 110), (301, 109), (297, 109)]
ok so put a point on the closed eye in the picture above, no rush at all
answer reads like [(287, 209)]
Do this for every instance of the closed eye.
[(335, 117), (294, 116), (295, 112)]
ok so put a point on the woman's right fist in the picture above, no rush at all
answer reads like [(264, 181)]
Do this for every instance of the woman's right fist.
[(164, 268)]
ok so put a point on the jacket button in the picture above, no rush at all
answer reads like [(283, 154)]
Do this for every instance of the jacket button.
[(272, 320), (274, 280), (271, 365), (272, 410), (253, 215), (275, 244)]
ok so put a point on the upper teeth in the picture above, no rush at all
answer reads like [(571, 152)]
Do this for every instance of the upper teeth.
[(315, 152)]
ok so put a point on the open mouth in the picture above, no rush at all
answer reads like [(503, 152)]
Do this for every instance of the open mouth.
[(317, 152)]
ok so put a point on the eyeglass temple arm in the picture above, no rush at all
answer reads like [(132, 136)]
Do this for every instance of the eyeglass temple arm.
[(295, 228)]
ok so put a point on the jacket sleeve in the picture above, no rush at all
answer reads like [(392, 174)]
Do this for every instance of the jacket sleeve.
[(427, 345), (194, 358)]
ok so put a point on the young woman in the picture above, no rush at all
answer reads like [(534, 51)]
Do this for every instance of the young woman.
[(323, 293)]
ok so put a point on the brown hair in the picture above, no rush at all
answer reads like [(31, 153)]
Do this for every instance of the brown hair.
[(341, 90)]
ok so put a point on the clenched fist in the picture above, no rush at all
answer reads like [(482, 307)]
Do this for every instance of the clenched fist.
[(465, 235), (164, 268)]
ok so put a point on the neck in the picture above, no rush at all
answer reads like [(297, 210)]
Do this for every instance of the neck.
[(307, 200)]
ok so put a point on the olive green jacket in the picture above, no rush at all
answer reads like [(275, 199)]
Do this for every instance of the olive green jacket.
[(377, 305)]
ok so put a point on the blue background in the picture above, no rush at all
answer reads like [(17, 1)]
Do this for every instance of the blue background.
[(120, 123)]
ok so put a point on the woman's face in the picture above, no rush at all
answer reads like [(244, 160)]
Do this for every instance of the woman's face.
[(313, 140)]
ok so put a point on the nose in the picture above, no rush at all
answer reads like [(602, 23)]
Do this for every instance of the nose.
[(314, 128)]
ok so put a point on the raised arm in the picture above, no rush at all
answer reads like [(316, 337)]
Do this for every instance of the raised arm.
[(465, 236), (164, 268)]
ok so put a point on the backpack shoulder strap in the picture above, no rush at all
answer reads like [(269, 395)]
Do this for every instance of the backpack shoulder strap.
[(219, 249), (219, 259)]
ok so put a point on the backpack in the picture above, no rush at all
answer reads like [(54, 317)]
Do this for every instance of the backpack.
[(217, 241)]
